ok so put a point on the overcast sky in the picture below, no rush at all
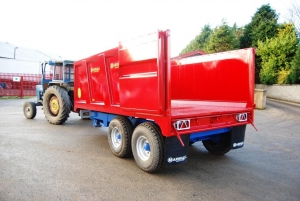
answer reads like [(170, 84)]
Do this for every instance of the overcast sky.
[(76, 29)]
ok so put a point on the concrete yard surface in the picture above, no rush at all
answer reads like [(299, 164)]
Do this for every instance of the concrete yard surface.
[(40, 161)]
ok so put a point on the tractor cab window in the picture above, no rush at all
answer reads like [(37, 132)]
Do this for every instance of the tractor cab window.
[(69, 73), (47, 71), (58, 72)]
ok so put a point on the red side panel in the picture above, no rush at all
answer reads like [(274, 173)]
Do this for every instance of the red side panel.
[(96, 83), (139, 87), (139, 79)]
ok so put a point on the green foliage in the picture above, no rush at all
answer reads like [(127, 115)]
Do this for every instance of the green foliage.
[(268, 73), (203, 38), (222, 39), (283, 76), (263, 25), (294, 76), (200, 42), (276, 54), (238, 32)]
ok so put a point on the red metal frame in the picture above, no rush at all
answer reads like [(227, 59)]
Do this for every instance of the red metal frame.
[(139, 79), (26, 86), (191, 54)]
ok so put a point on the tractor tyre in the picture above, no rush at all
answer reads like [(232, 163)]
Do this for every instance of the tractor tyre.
[(56, 105), (29, 110), (147, 147), (119, 136), (220, 147)]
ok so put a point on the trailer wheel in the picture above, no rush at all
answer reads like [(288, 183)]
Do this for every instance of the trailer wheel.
[(220, 146), (119, 136), (29, 110), (147, 147), (57, 105)]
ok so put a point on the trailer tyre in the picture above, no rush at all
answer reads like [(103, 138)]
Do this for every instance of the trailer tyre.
[(147, 147), (29, 110), (56, 105), (119, 136), (220, 147)]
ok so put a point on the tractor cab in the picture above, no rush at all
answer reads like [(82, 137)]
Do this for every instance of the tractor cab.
[(62, 71), (59, 73)]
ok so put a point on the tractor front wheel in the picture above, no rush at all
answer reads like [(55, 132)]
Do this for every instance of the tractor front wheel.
[(29, 110), (57, 105)]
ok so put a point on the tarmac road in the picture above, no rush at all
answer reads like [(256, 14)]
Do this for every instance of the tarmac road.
[(39, 161)]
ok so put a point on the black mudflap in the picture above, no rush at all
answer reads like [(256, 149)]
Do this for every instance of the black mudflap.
[(175, 153), (238, 136)]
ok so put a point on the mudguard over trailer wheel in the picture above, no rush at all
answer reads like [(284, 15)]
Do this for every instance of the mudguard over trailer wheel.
[(119, 136), (29, 110), (56, 105), (147, 147), (220, 146)]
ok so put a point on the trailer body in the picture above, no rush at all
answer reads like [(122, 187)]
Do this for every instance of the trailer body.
[(184, 100)]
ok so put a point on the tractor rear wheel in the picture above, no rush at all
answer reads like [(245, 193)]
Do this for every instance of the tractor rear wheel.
[(29, 110), (56, 105)]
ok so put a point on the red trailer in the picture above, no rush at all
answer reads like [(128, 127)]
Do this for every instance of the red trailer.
[(155, 106)]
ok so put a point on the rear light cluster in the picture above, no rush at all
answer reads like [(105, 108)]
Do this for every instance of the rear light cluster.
[(182, 124), (242, 117)]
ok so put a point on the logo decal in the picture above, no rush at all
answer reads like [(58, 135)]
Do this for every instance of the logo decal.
[(239, 144), (114, 65), (177, 159), (95, 70)]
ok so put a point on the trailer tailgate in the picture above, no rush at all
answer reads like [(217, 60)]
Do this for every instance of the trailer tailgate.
[(181, 109)]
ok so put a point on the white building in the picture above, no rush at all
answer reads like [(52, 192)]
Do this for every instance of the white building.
[(14, 59)]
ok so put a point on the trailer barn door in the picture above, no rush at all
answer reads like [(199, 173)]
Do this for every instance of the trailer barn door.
[(96, 69), (113, 69)]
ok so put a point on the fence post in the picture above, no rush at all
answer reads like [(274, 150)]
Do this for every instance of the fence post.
[(21, 92)]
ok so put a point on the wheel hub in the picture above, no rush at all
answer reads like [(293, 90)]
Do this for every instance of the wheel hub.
[(143, 148), (116, 137), (27, 109), (54, 105)]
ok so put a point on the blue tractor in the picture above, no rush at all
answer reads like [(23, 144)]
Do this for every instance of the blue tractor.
[(55, 92)]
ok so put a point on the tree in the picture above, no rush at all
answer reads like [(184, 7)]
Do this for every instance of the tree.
[(277, 54), (238, 32), (222, 39), (203, 38), (294, 15), (262, 26), (200, 42), (294, 76)]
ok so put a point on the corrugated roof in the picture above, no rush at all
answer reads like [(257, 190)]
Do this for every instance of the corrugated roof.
[(10, 51)]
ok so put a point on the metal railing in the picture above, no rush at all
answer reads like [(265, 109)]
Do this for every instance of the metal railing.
[(18, 84)]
